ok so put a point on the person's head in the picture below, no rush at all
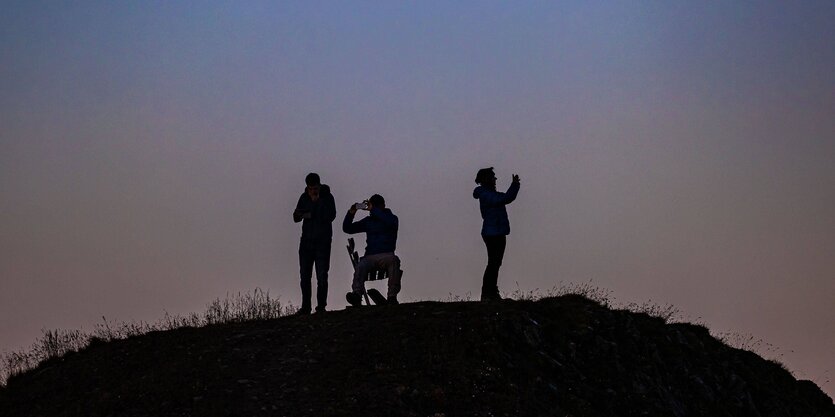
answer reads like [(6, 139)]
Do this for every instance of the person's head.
[(312, 179), (313, 185), (376, 200), (486, 177)]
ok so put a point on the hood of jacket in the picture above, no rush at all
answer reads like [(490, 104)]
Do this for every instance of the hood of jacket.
[(478, 191)]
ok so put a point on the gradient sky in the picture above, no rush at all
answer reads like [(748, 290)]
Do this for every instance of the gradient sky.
[(151, 153)]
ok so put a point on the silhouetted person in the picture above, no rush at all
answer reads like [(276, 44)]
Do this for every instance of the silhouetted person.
[(495, 228), (380, 228), (316, 210)]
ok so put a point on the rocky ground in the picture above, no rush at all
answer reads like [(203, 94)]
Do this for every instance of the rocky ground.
[(565, 356)]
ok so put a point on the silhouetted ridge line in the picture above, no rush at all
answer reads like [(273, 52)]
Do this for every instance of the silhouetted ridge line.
[(555, 357)]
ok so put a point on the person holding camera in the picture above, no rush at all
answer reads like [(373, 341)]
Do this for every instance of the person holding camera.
[(380, 227), (316, 210), (495, 228)]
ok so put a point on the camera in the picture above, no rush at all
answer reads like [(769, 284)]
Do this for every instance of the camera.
[(361, 206)]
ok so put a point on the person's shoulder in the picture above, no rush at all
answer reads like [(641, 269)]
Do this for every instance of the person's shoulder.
[(477, 191), (324, 189), (381, 213), (482, 191)]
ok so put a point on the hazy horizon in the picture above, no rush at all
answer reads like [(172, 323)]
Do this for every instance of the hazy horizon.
[(151, 154)]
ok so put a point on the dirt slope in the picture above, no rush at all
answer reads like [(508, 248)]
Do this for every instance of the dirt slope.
[(565, 356)]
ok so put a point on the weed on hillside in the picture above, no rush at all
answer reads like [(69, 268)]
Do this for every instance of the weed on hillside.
[(258, 305)]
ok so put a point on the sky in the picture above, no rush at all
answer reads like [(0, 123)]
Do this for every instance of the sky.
[(152, 153)]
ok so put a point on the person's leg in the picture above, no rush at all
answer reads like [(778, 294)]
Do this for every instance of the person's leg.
[(495, 254), (498, 256), (360, 272), (323, 260), (391, 264), (306, 259)]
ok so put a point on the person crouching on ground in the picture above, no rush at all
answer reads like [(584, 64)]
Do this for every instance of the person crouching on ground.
[(380, 227), (495, 228)]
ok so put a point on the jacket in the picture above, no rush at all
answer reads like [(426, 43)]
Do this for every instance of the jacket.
[(492, 205), (380, 228), (323, 212)]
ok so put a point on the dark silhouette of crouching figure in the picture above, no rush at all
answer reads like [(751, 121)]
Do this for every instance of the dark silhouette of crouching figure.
[(495, 228), (380, 228)]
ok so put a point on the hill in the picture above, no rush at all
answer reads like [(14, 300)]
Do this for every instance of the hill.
[(563, 356)]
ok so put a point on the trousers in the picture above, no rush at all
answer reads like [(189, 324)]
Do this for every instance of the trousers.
[(314, 252), (386, 261), (495, 254)]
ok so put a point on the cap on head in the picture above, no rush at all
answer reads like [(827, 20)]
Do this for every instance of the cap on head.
[(377, 200), (312, 179), (483, 175)]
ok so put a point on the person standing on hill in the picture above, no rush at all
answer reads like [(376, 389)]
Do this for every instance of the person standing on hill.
[(316, 210), (495, 228)]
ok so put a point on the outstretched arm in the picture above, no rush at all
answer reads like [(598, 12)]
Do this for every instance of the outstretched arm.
[(498, 198), (349, 226), (512, 191)]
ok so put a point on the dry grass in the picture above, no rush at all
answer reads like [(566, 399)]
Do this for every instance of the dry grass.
[(258, 305), (667, 312), (754, 344), (588, 290)]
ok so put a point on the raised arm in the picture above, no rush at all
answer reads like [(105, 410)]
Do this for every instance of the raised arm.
[(349, 226), (512, 191), (497, 198)]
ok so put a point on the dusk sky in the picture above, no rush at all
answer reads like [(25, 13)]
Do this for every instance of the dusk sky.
[(152, 153)]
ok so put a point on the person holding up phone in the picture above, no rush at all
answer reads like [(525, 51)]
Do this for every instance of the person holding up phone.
[(495, 228), (380, 228)]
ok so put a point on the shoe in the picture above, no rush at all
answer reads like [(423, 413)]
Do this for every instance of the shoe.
[(319, 310), (392, 300), (491, 297), (302, 312), (354, 299)]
